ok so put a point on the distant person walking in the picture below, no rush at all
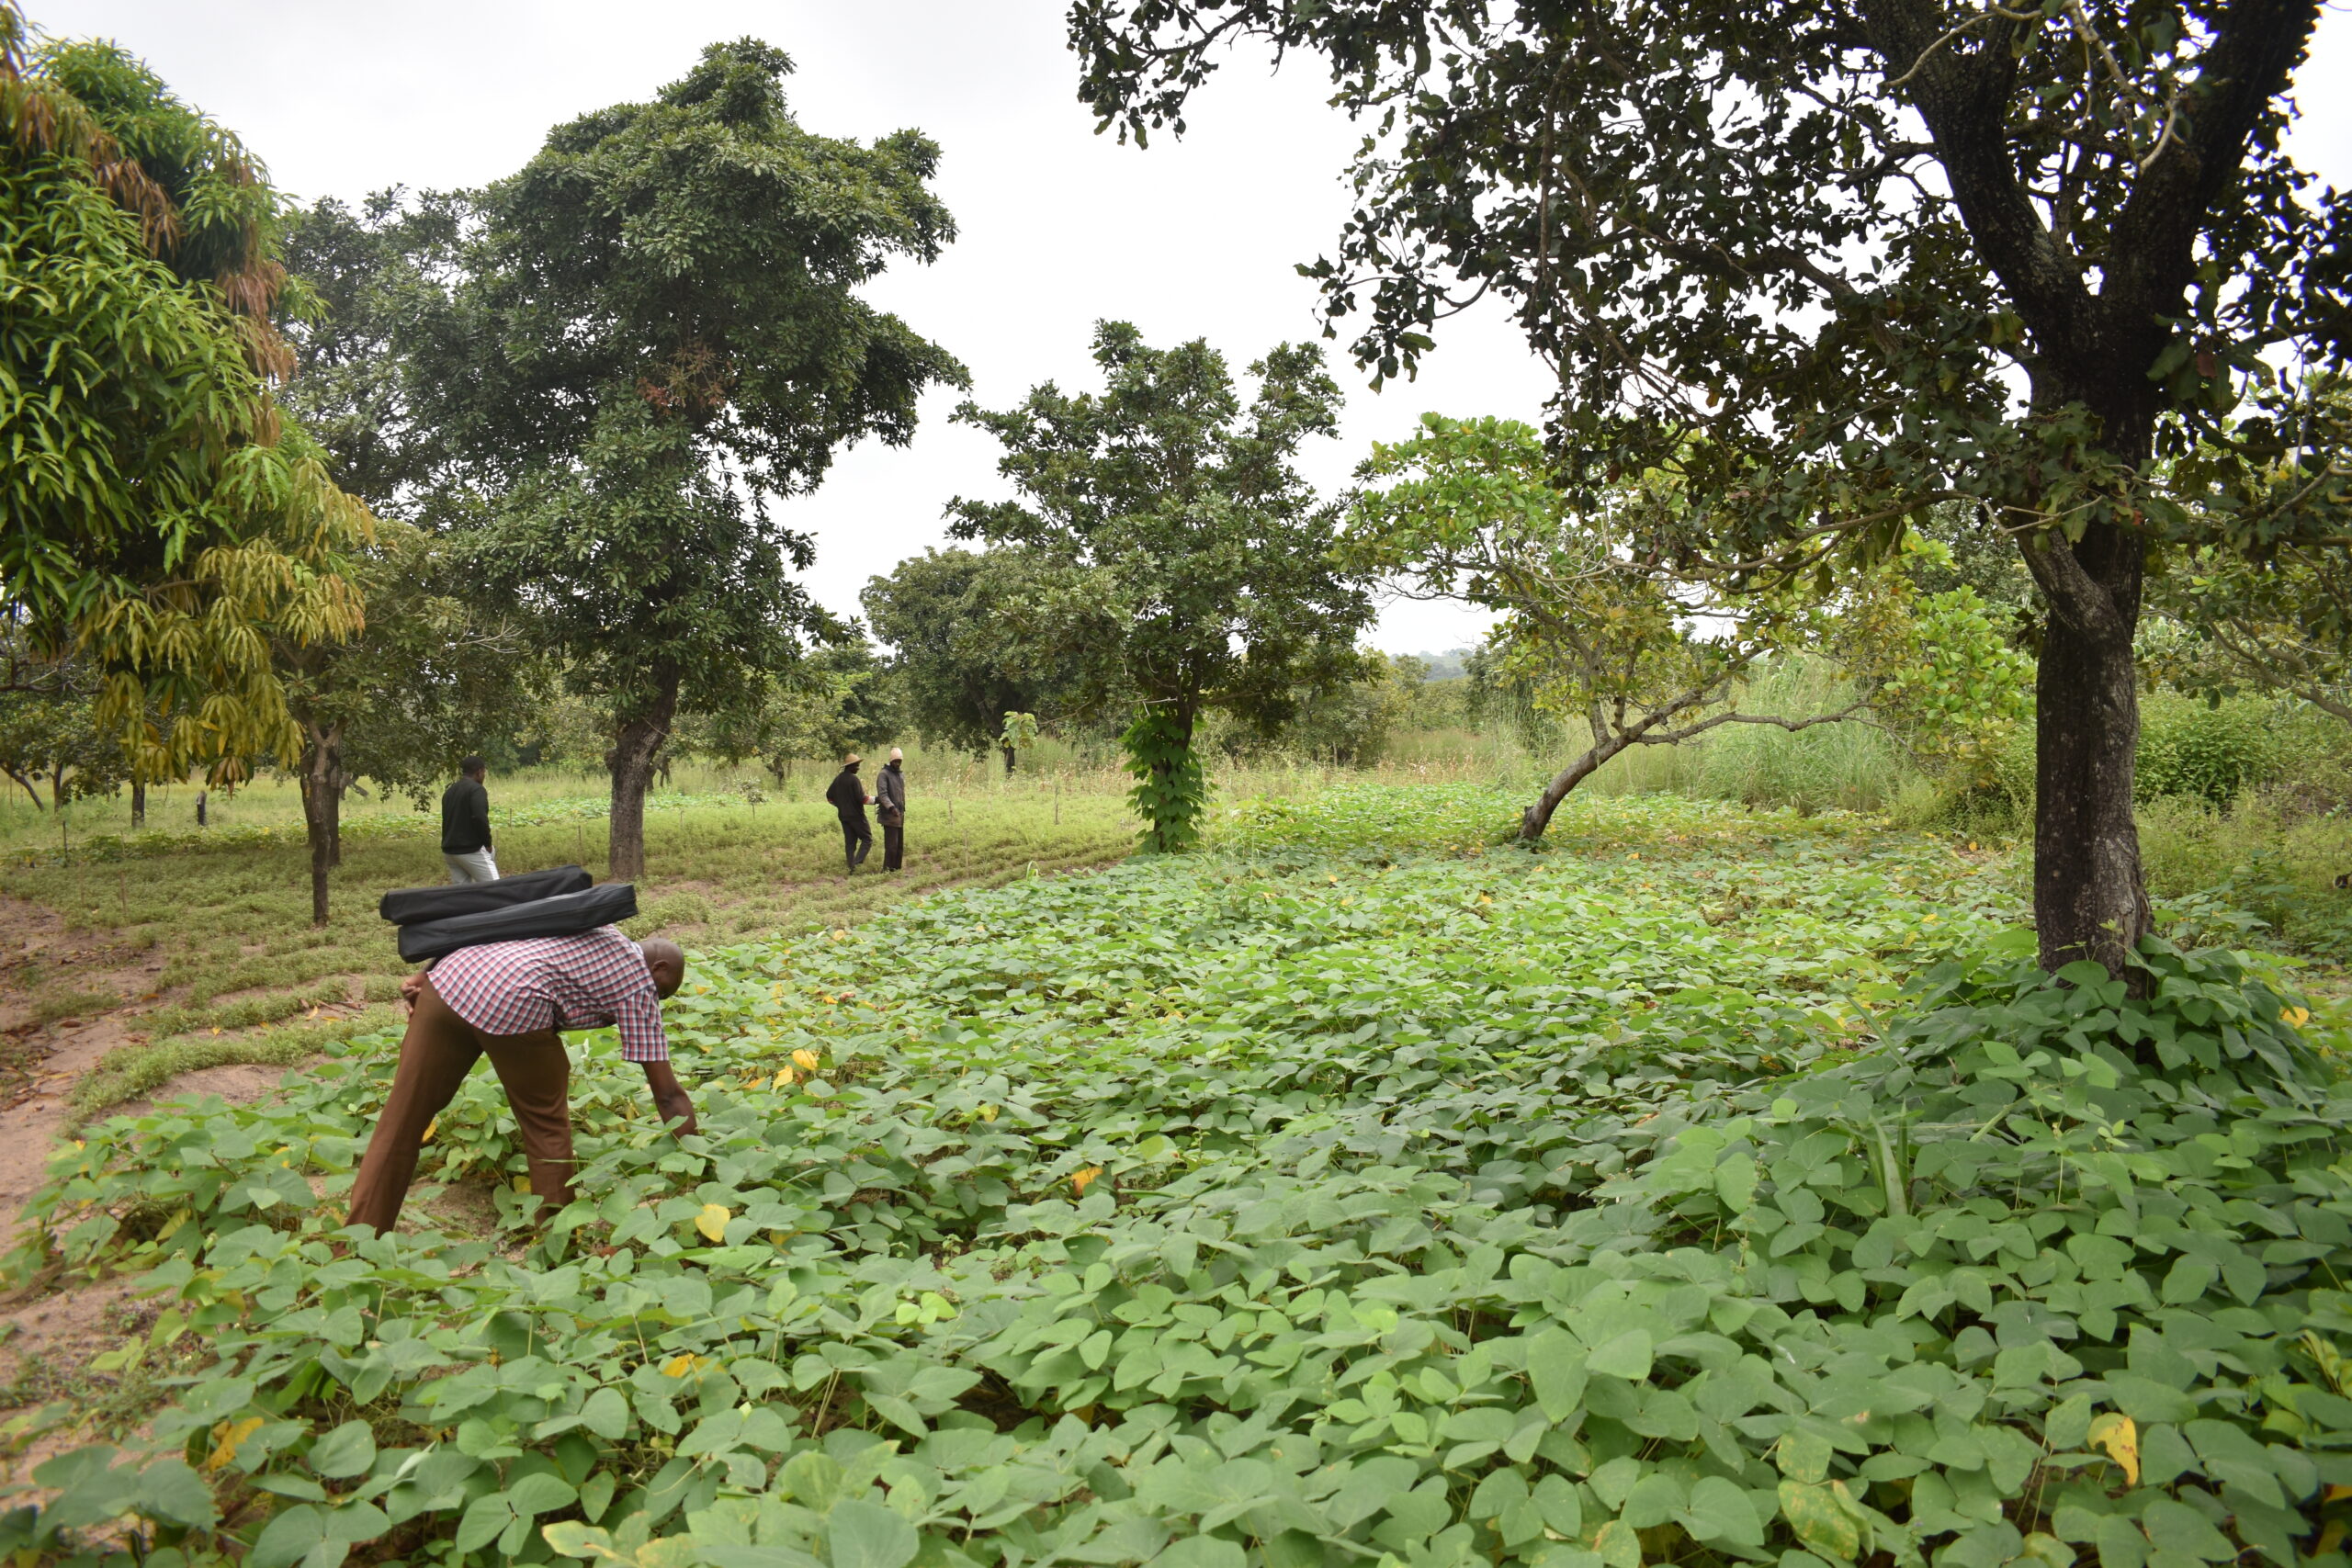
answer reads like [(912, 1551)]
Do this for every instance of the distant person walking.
[(847, 795), (464, 825), (890, 805)]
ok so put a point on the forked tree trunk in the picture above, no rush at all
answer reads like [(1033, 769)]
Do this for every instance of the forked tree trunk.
[(2089, 897), (635, 746)]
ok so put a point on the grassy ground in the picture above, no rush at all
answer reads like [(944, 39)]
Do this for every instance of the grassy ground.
[(230, 913)]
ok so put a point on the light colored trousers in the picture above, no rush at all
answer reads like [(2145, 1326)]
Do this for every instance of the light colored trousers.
[(476, 867)]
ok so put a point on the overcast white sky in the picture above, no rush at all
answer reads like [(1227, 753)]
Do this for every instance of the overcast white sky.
[(1059, 227)]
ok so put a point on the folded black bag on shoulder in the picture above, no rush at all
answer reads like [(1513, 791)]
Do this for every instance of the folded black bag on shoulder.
[(566, 914), (412, 906)]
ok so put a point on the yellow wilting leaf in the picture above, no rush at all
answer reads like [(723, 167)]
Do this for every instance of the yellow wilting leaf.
[(225, 1439), (678, 1365), (2297, 1016), (712, 1221), (785, 1078), (987, 1112), (2120, 1436), (837, 935), (523, 1185), (430, 1128), (1081, 1180), (806, 1059)]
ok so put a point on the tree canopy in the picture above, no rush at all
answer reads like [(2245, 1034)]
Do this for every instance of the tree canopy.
[(1171, 549), (652, 331), (940, 611), (162, 520), (1830, 265)]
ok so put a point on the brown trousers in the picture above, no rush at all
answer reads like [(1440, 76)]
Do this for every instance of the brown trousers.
[(436, 1054)]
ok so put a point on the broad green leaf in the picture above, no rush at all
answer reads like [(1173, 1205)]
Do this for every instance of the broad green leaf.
[(1814, 1514), (867, 1535), (347, 1450), (1626, 1355), (1556, 1366)]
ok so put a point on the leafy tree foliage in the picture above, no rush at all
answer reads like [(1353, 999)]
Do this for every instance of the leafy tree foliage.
[(1351, 724), (1599, 628), (1831, 265), (2281, 626), (838, 697), (399, 704), (1171, 551), (164, 522), (440, 666), (942, 610), (651, 331), (360, 272), (48, 732)]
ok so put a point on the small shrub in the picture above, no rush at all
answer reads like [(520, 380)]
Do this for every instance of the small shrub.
[(2205, 751)]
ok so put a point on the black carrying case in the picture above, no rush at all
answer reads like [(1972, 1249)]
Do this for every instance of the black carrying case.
[(413, 906), (565, 914)]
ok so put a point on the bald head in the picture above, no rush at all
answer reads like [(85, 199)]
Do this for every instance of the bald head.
[(666, 961)]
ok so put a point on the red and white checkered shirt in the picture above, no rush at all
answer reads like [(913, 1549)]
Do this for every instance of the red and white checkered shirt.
[(587, 981)]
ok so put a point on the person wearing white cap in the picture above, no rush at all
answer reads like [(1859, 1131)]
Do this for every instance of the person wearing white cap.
[(890, 798)]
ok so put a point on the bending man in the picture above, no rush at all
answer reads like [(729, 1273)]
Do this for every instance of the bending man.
[(508, 1000)]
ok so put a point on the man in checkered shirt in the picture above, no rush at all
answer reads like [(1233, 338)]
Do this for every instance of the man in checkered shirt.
[(508, 1000)]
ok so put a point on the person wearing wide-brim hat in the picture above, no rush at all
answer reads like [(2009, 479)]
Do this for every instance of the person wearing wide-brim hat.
[(847, 795)]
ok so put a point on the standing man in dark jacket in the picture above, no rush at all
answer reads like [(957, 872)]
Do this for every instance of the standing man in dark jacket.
[(847, 795), (464, 825), (891, 804)]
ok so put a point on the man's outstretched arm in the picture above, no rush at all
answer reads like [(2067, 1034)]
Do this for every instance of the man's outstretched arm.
[(669, 1097)]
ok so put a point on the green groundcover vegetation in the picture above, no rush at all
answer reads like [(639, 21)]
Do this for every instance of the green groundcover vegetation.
[(1711, 1187)]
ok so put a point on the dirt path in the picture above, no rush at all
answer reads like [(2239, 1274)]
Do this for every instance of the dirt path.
[(43, 967)]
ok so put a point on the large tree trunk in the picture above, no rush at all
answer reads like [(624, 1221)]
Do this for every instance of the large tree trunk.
[(2089, 899), (636, 744), (138, 803), (323, 782)]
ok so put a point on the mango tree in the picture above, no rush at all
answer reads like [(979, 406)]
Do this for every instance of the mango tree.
[(166, 522), (1169, 551), (650, 334)]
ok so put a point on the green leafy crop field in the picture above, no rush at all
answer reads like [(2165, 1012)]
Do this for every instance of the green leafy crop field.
[(1711, 1187)]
